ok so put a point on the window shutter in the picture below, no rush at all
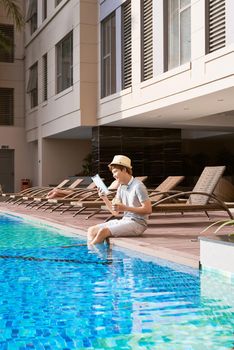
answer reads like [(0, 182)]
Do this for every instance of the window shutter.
[(45, 77), (7, 38), (127, 45), (6, 106), (147, 39), (216, 25)]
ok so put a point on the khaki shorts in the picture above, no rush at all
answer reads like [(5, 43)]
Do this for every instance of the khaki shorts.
[(123, 227)]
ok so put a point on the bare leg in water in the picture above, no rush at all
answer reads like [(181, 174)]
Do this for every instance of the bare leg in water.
[(98, 235)]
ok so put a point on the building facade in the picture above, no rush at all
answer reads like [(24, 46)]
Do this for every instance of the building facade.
[(15, 153), (93, 69), (173, 63)]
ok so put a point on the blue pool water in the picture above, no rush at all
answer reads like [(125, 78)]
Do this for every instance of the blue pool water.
[(55, 293)]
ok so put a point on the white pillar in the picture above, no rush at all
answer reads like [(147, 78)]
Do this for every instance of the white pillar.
[(198, 30), (158, 38), (118, 50), (136, 44), (229, 22)]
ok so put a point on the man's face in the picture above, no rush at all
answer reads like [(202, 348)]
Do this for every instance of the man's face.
[(118, 174)]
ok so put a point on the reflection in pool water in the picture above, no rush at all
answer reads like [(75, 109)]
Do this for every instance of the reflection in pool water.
[(56, 293)]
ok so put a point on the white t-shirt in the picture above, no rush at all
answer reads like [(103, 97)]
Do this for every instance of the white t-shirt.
[(132, 195)]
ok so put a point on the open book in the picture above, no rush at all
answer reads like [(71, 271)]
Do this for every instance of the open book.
[(100, 184)]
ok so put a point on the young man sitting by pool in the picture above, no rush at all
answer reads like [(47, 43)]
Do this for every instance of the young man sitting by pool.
[(131, 198)]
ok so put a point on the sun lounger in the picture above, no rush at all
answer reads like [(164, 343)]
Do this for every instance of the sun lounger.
[(42, 194), (201, 198), (49, 203), (224, 190), (64, 204), (11, 197), (97, 206)]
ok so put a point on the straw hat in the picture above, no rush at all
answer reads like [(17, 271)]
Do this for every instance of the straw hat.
[(121, 160)]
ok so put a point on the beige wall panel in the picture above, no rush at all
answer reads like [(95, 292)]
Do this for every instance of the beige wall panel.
[(61, 124), (219, 64), (62, 158)]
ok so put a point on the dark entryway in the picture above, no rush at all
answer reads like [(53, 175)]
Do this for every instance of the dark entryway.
[(7, 170)]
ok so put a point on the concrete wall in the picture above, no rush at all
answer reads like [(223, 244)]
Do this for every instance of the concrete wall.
[(88, 68), (62, 158), (12, 76), (72, 107)]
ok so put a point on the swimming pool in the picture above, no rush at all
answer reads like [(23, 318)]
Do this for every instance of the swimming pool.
[(55, 293)]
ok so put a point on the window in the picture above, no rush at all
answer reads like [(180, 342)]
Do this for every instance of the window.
[(147, 39), (32, 15), (127, 45), (108, 56), (179, 32), (44, 10), (44, 77), (32, 87), (7, 43), (64, 53), (216, 27), (6, 106)]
